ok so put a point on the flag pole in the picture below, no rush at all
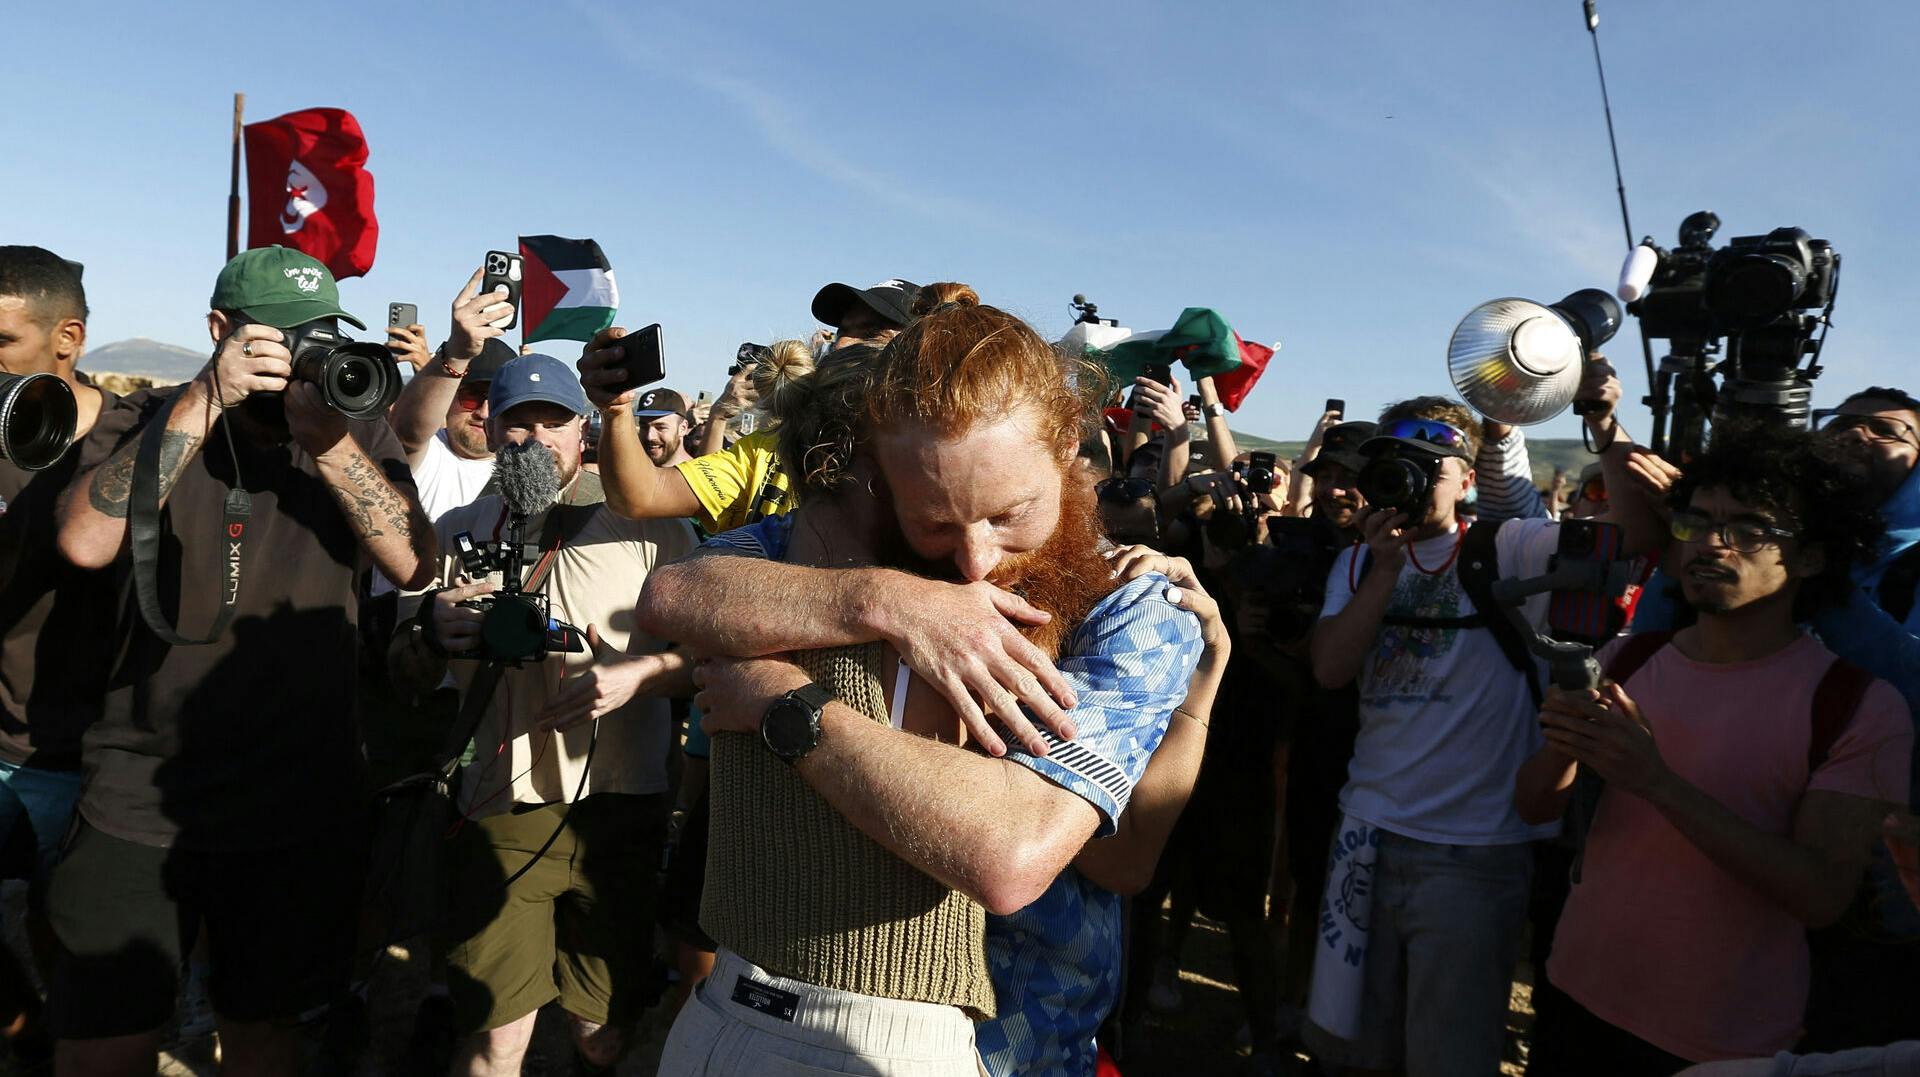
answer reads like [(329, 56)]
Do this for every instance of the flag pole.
[(233, 182)]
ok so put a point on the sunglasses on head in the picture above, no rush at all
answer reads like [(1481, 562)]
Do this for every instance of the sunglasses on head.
[(1432, 431), (471, 394), (1123, 489)]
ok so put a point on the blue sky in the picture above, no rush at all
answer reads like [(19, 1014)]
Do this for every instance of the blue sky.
[(1348, 179)]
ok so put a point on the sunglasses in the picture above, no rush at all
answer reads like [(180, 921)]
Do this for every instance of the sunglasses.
[(1123, 489), (1741, 535), (471, 395), (1878, 427), (1431, 431)]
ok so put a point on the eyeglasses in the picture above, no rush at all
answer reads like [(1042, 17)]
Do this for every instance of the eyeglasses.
[(1431, 431), (1123, 489), (1741, 535), (471, 394), (1878, 427)]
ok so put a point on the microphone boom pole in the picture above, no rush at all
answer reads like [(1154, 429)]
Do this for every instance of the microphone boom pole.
[(1655, 399)]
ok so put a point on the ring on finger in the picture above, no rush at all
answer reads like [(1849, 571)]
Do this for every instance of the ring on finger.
[(246, 349)]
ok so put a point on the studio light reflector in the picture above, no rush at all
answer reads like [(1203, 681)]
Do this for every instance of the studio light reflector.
[(1519, 362)]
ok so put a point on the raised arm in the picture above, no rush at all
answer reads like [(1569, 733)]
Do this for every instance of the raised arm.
[(388, 521), (93, 516), (1504, 472), (1219, 438), (422, 408), (738, 396), (1643, 526), (635, 488)]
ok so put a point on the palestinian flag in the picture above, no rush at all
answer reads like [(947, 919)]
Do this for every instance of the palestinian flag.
[(566, 290), (1199, 338)]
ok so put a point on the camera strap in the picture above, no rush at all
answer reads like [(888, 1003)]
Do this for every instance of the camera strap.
[(143, 526)]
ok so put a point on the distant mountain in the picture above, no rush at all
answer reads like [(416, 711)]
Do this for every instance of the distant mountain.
[(164, 363)]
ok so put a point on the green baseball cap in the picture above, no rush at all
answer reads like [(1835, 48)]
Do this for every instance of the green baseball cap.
[(280, 287)]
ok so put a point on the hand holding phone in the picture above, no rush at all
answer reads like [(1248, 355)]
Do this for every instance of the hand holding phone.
[(503, 270), (1336, 406), (645, 362)]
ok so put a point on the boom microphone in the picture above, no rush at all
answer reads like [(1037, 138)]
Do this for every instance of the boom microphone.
[(527, 476)]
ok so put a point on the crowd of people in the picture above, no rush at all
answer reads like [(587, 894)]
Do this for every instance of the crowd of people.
[(909, 699)]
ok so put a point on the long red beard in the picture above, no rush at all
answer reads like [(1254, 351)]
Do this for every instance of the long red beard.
[(1066, 576)]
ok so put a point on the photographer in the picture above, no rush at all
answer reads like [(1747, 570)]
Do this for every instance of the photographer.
[(1447, 715), (221, 778), (57, 624), (1747, 772), (576, 925)]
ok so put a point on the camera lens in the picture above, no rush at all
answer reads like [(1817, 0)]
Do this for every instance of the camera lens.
[(1390, 482), (357, 380), (37, 419)]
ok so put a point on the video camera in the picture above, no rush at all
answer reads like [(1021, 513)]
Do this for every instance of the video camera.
[(1763, 295), (517, 626)]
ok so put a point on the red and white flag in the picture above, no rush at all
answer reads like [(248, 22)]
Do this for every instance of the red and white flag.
[(308, 188)]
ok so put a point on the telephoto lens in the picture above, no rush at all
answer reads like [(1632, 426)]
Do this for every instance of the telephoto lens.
[(37, 419)]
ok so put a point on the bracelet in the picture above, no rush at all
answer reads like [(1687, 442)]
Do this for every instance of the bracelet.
[(1192, 717), (446, 368)]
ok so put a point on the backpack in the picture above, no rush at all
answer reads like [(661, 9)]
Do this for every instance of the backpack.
[(1835, 698), (1479, 568)]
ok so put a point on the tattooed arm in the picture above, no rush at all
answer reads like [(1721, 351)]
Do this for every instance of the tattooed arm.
[(391, 526), (93, 518)]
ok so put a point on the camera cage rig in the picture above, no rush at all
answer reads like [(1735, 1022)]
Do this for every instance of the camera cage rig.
[(513, 615)]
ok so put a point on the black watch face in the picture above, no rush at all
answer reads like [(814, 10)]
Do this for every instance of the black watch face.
[(788, 728)]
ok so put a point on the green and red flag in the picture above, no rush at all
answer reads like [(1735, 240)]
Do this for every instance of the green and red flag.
[(566, 291), (1235, 384), (1199, 338)]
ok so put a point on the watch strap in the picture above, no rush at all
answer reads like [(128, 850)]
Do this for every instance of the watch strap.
[(814, 695)]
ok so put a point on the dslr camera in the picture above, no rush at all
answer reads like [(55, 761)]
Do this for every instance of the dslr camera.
[(516, 626), (38, 417), (1398, 480), (356, 379)]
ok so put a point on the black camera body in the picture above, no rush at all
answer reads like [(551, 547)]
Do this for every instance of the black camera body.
[(516, 625), (1260, 472), (358, 380), (1396, 480)]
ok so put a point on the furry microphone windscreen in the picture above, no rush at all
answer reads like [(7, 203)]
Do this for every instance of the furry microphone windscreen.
[(527, 476)]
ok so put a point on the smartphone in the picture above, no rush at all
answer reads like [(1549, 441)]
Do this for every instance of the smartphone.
[(1159, 372), (503, 268), (1586, 615), (646, 359), (401, 315), (1195, 401), (1337, 406), (749, 354)]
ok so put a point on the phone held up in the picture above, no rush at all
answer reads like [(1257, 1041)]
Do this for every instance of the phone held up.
[(401, 315), (750, 355), (503, 268), (645, 359), (1337, 406)]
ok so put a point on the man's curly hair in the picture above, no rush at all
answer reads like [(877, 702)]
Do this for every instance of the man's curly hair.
[(1774, 467)]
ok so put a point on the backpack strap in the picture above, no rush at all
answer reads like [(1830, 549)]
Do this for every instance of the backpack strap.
[(1898, 583), (1479, 567), (1835, 700), (1633, 654)]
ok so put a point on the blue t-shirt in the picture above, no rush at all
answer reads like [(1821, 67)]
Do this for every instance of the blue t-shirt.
[(1056, 963)]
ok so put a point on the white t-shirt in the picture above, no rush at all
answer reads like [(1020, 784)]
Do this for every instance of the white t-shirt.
[(446, 481), (1445, 719)]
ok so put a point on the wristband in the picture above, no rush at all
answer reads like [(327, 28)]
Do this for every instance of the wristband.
[(446, 366)]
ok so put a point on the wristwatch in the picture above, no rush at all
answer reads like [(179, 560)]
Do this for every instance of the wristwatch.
[(1215, 409), (791, 726)]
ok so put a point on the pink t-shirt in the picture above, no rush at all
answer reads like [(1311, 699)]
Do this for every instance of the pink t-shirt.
[(1660, 941)]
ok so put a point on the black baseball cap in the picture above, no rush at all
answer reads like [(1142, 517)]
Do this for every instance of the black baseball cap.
[(657, 402), (892, 300), (1341, 445), (494, 354)]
